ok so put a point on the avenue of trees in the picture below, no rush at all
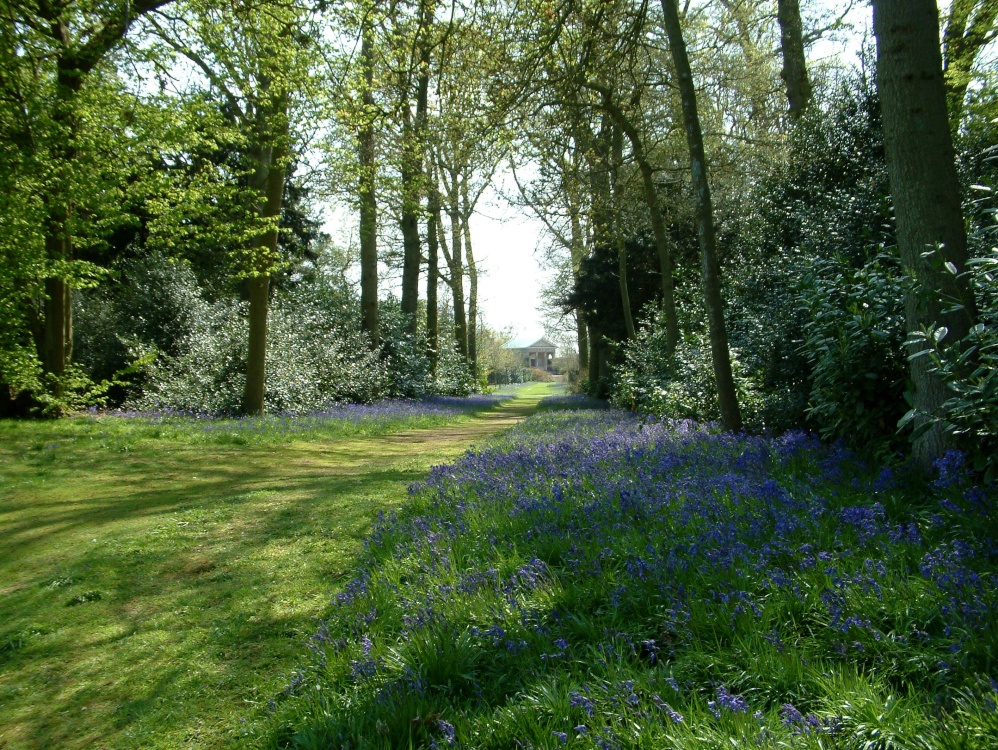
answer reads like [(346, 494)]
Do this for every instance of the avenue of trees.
[(741, 231)]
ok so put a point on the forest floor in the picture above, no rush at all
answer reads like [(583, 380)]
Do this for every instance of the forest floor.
[(156, 589)]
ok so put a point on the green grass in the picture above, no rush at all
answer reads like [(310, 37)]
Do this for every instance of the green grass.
[(157, 581)]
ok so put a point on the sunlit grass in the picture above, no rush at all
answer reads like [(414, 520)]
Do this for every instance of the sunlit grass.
[(157, 579)]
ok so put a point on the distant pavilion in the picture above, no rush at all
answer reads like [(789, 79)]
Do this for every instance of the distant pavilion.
[(538, 354)]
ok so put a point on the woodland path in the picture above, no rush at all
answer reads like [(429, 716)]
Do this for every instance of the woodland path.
[(158, 595)]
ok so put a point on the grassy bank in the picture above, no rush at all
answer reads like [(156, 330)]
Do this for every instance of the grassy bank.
[(595, 581), (158, 574)]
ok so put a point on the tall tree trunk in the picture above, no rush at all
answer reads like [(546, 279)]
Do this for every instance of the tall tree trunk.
[(615, 160), (432, 275), (409, 224), (598, 150), (794, 73), (256, 356), (925, 189), (657, 223), (969, 27), (457, 264), (73, 62), (578, 251), (369, 318), (625, 295), (412, 170), (472, 284), (720, 356), (58, 308), (268, 180)]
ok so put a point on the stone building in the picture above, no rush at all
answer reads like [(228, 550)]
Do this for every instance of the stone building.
[(539, 354)]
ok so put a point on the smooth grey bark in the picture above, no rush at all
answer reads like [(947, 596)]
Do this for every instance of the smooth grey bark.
[(926, 192), (794, 72), (369, 314), (727, 398)]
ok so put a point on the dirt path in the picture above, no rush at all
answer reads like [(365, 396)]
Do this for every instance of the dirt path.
[(158, 596), (450, 440)]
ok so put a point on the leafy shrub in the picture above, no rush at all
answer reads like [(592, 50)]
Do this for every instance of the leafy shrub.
[(408, 364), (969, 369), (453, 376), (829, 198), (207, 377), (679, 385), (313, 360), (854, 342), (510, 375), (155, 303), (541, 376)]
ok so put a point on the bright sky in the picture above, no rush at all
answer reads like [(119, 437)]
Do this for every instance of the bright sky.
[(510, 276)]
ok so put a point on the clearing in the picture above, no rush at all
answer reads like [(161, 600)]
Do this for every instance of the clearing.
[(155, 589)]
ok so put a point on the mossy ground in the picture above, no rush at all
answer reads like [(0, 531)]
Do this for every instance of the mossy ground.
[(156, 584)]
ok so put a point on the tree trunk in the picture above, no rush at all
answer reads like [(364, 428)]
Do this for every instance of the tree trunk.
[(369, 319), (412, 172), (578, 251), (598, 150), (472, 290), (58, 308), (409, 224), (625, 296), (710, 268), (962, 41), (794, 73), (268, 180), (593, 338), (616, 160), (457, 266), (432, 274), (657, 224), (256, 355), (73, 63), (925, 189)]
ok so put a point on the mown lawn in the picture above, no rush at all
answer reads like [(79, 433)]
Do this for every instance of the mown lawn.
[(158, 577)]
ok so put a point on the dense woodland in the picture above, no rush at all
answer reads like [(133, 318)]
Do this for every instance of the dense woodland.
[(742, 231)]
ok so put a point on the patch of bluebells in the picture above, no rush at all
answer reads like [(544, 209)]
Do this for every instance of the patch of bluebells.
[(686, 534), (725, 702), (379, 412), (573, 402), (799, 724)]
